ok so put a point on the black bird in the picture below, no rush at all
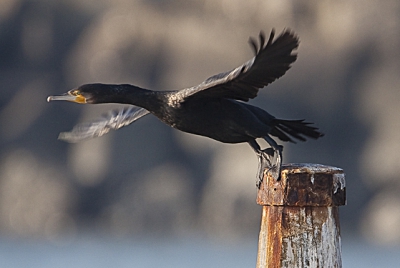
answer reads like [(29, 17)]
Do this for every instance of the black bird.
[(216, 108)]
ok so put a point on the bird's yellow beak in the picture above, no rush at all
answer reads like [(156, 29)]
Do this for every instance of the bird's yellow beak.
[(72, 95)]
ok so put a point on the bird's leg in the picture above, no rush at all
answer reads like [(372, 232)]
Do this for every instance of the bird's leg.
[(264, 160), (275, 164)]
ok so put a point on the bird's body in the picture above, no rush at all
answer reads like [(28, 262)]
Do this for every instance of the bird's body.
[(224, 120), (216, 108)]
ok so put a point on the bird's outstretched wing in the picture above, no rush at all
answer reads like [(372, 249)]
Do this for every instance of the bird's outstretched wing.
[(114, 119), (272, 60)]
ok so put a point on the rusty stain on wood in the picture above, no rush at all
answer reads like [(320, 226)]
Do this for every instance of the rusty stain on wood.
[(271, 220), (300, 217)]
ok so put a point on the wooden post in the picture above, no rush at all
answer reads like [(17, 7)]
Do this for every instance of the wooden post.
[(300, 217)]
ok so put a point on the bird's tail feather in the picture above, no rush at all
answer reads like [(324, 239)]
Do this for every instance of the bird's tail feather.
[(286, 130)]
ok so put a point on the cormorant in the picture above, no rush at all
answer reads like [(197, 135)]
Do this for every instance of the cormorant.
[(216, 108)]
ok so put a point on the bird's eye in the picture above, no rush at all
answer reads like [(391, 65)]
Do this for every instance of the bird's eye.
[(75, 92)]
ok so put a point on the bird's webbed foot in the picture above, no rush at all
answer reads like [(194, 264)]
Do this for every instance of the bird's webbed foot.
[(270, 160)]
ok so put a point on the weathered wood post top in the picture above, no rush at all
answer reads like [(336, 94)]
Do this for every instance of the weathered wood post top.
[(300, 217), (304, 185)]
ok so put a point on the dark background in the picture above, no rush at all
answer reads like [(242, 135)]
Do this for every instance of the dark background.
[(150, 180)]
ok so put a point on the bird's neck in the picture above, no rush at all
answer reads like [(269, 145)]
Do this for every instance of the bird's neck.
[(129, 94)]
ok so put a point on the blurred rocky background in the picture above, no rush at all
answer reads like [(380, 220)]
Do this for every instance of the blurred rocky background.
[(151, 180)]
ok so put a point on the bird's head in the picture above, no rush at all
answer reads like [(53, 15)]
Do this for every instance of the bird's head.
[(89, 93)]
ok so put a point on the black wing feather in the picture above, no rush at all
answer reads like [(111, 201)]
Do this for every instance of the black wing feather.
[(271, 61)]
